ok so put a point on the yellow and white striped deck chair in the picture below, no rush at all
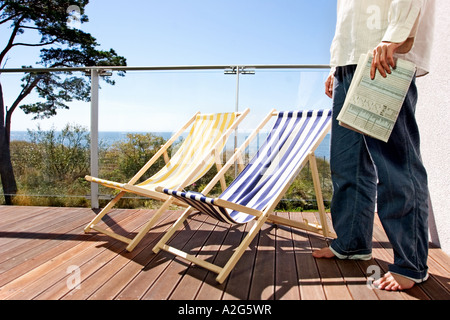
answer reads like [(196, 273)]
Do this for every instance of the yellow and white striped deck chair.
[(198, 153)]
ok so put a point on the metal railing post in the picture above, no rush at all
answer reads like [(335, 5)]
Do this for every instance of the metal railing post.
[(94, 137), (237, 110), (237, 70)]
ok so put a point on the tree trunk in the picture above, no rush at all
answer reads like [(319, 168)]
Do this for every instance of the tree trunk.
[(6, 169)]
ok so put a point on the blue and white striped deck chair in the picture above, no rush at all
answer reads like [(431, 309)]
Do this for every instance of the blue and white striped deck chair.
[(255, 193)]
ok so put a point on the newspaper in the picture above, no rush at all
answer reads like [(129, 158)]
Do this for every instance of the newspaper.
[(372, 106)]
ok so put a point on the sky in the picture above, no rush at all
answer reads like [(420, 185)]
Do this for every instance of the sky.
[(195, 32)]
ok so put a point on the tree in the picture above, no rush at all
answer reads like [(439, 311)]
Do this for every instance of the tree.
[(62, 46)]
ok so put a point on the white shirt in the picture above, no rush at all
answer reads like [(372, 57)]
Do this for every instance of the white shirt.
[(363, 24)]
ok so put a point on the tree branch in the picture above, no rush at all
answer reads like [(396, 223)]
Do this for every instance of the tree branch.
[(4, 65), (9, 18), (3, 6), (11, 39), (34, 44), (2, 106), (25, 92), (31, 28)]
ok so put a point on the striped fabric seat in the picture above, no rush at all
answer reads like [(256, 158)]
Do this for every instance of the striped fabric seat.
[(205, 133), (290, 141)]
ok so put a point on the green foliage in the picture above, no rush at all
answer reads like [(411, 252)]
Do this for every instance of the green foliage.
[(53, 164), (51, 169), (301, 195), (64, 155), (126, 158), (62, 46)]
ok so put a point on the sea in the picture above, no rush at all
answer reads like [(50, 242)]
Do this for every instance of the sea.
[(108, 138)]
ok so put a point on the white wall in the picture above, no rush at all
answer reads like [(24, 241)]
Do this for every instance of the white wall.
[(433, 115)]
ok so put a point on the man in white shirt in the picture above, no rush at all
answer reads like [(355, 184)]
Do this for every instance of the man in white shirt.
[(367, 172)]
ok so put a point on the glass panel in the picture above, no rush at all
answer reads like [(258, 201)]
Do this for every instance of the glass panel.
[(136, 116)]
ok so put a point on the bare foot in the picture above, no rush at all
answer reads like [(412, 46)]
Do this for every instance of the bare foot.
[(393, 282), (323, 253)]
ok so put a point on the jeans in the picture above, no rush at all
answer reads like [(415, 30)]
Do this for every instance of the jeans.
[(370, 175)]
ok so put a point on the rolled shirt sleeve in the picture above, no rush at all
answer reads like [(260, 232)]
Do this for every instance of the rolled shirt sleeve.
[(363, 24), (403, 20)]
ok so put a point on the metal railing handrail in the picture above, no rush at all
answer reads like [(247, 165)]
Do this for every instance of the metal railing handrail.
[(165, 68)]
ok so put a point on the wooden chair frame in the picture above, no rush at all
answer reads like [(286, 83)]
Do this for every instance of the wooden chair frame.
[(265, 216), (167, 200)]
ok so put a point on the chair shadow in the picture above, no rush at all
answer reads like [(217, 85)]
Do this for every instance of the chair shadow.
[(245, 284), (253, 277)]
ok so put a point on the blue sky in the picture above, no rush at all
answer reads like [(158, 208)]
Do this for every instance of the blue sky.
[(197, 32)]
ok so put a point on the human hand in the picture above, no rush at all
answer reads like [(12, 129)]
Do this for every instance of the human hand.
[(329, 84), (383, 58)]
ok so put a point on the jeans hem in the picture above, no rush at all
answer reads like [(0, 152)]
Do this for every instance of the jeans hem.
[(416, 276), (362, 256)]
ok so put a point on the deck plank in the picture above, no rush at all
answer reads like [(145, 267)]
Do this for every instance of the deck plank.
[(286, 278), (308, 273), (55, 270), (189, 240), (333, 282), (194, 278), (263, 280), (39, 245), (113, 262), (94, 278), (124, 265), (28, 244), (237, 285)]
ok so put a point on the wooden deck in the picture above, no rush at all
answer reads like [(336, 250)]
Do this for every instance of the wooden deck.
[(43, 252)]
